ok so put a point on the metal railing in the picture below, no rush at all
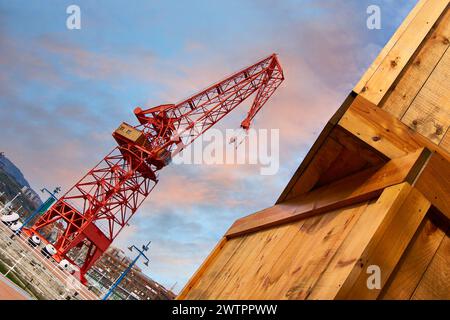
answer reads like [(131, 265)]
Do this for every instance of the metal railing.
[(31, 263)]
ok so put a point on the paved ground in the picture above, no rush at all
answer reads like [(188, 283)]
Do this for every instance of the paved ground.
[(9, 291)]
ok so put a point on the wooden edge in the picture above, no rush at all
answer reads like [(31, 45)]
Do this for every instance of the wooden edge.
[(317, 145), (359, 187), (434, 183), (416, 57), (193, 280), (378, 128), (387, 48)]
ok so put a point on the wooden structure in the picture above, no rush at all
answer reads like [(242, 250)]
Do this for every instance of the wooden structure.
[(374, 190)]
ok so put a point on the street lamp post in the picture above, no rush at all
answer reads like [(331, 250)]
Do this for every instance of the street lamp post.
[(10, 202), (128, 269), (43, 207)]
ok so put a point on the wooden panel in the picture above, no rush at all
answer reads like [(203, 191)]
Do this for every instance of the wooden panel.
[(241, 269), (262, 266), (435, 284), (359, 187), (418, 70), (393, 63), (414, 262), (434, 183), (308, 255), (388, 47), (251, 247), (346, 263), (429, 113), (386, 247), (384, 132), (290, 268)]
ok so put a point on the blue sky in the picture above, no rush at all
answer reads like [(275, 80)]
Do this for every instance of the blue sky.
[(62, 93)]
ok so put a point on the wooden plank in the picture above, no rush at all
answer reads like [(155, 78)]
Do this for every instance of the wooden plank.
[(384, 132), (435, 283), (378, 129), (289, 275), (393, 63), (406, 88), (243, 264), (312, 263), (271, 257), (434, 183), (315, 154), (356, 188), (429, 113), (255, 268), (414, 262), (388, 47), (277, 274), (206, 263), (386, 250), (345, 266)]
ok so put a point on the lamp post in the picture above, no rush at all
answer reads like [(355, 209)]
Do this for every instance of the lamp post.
[(128, 269), (42, 208), (10, 202)]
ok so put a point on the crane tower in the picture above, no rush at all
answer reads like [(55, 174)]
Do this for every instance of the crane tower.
[(94, 211)]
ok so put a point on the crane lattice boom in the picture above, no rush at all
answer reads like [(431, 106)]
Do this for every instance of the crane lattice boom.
[(94, 211)]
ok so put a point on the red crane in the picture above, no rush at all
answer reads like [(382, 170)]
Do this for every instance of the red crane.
[(94, 211)]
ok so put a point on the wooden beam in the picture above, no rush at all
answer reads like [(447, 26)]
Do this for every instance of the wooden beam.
[(372, 223), (415, 75), (358, 187), (388, 47), (434, 183), (380, 77), (386, 246), (384, 132), (415, 260), (429, 113), (435, 283)]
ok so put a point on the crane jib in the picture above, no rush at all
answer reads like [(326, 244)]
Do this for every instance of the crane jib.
[(96, 209)]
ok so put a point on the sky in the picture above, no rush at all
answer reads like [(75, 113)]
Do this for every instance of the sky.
[(63, 92)]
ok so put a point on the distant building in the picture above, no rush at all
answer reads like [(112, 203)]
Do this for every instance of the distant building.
[(135, 286), (31, 195)]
